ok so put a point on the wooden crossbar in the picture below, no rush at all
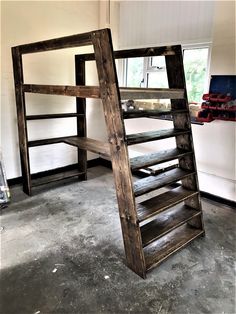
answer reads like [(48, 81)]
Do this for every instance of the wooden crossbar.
[(77, 91), (151, 93)]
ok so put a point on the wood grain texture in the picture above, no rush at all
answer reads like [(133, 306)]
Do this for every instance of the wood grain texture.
[(81, 119), (89, 144), (164, 247), (151, 93), (133, 114), (119, 154), (148, 160), (153, 136), (149, 184), (22, 126), (48, 141), (63, 90), (166, 222), (157, 204)]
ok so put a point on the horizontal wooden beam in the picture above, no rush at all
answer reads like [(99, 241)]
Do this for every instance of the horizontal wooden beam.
[(151, 93), (89, 144), (57, 43), (132, 114), (77, 91), (134, 53), (52, 116), (48, 141)]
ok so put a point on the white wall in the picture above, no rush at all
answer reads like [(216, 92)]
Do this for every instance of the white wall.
[(30, 21), (146, 23)]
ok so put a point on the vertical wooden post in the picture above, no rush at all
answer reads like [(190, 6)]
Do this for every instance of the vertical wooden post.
[(176, 79), (22, 127), (81, 120), (119, 155)]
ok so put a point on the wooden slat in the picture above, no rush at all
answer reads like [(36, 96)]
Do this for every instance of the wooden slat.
[(48, 141), (56, 177), (166, 222), (151, 93), (151, 183), (63, 90), (89, 144), (140, 52), (132, 114), (51, 116), (159, 203), (153, 135), (162, 248), (157, 158), (57, 43)]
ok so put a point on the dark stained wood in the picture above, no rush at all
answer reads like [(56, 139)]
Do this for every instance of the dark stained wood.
[(132, 114), (151, 93), (164, 247), (77, 91), (119, 154), (157, 204), (140, 52), (48, 141), (57, 43), (166, 222), (51, 116), (81, 120), (56, 177), (149, 184), (153, 135), (22, 127), (157, 158), (89, 144)]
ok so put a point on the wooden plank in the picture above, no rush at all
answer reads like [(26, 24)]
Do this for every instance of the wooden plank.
[(153, 135), (81, 120), (164, 247), (140, 52), (57, 43), (151, 183), (148, 160), (166, 222), (63, 90), (56, 177), (159, 203), (89, 144), (132, 114), (51, 116), (22, 126), (48, 141), (151, 93), (119, 154)]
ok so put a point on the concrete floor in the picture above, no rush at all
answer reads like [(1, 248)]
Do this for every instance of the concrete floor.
[(62, 252)]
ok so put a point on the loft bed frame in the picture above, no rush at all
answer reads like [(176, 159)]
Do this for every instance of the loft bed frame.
[(146, 243)]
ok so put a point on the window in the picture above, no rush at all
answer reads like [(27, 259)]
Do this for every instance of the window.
[(151, 71)]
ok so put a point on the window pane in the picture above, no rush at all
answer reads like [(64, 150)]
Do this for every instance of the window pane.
[(195, 66), (157, 79), (158, 61), (134, 72)]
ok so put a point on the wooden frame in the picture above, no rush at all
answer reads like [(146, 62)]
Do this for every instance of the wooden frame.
[(145, 245)]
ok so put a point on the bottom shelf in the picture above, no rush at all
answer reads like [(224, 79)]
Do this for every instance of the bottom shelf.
[(56, 177), (162, 248)]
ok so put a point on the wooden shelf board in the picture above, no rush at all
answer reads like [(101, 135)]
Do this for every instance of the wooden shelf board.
[(159, 203), (56, 177), (157, 158), (166, 222), (52, 116), (151, 93), (131, 114), (89, 144), (154, 135), (151, 183), (158, 251)]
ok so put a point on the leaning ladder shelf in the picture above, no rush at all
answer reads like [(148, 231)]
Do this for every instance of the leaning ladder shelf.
[(155, 228)]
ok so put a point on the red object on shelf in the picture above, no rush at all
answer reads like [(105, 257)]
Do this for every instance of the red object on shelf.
[(204, 116), (216, 97)]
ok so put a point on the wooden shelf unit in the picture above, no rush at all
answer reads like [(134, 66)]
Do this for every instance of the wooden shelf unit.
[(152, 229)]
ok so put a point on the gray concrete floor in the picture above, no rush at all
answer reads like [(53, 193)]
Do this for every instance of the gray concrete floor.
[(62, 252)]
